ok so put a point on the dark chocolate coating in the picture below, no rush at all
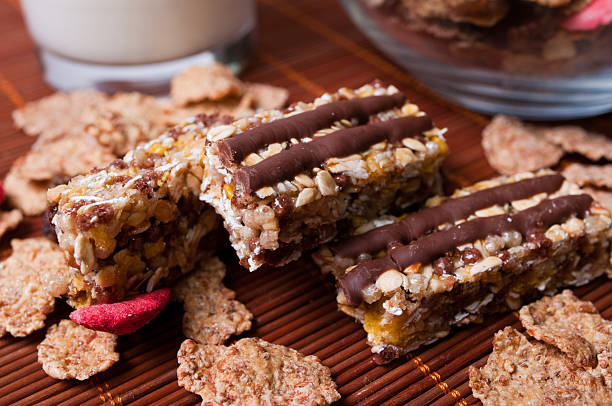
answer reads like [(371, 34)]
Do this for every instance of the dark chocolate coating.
[(451, 210), (235, 149), (305, 156), (426, 249)]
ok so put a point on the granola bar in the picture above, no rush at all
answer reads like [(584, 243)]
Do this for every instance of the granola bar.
[(285, 182), (487, 248), (138, 223)]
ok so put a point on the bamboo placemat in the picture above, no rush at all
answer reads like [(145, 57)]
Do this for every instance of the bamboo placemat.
[(307, 46)]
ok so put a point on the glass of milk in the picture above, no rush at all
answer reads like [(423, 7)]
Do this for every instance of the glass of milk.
[(136, 44)]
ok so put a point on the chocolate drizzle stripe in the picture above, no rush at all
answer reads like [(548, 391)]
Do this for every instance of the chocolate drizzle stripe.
[(305, 156), (425, 249), (451, 210), (235, 149)]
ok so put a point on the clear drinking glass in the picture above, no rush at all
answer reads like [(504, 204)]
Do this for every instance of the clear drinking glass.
[(525, 65), (136, 44)]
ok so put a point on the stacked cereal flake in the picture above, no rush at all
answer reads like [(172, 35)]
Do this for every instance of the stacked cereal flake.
[(565, 358), (512, 146), (86, 129)]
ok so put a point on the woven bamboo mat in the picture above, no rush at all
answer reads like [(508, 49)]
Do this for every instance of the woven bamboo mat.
[(319, 49)]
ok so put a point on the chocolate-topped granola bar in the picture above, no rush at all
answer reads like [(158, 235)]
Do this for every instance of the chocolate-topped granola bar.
[(488, 248), (285, 182), (138, 222)]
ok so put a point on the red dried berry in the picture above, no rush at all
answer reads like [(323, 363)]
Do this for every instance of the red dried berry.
[(1, 193), (123, 317)]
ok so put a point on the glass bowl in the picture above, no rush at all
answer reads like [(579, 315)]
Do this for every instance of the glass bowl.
[(525, 64)]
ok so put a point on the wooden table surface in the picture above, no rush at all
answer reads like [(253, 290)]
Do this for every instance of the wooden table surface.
[(319, 50)]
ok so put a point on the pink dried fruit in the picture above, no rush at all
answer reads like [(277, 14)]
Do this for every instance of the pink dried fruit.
[(1, 193), (123, 317), (597, 13)]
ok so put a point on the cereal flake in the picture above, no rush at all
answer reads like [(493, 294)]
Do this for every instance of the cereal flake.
[(27, 195), (9, 220), (31, 278), (573, 326), (199, 83), (520, 372), (56, 114), (67, 155), (125, 120), (593, 175), (70, 351), (603, 197), (212, 314), (577, 140), (253, 371), (512, 147), (266, 97)]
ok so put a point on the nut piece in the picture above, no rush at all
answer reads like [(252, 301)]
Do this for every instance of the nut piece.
[(70, 351), (405, 156), (304, 180), (390, 281), (326, 183), (306, 196), (254, 372), (486, 264), (221, 132), (414, 144)]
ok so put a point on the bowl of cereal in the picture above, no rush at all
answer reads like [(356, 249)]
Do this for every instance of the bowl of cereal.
[(537, 59)]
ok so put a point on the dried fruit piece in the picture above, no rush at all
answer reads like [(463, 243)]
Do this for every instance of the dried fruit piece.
[(70, 351), (1, 193), (211, 313), (596, 13), (57, 114), (31, 278), (123, 317), (512, 147), (9, 220), (253, 371)]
